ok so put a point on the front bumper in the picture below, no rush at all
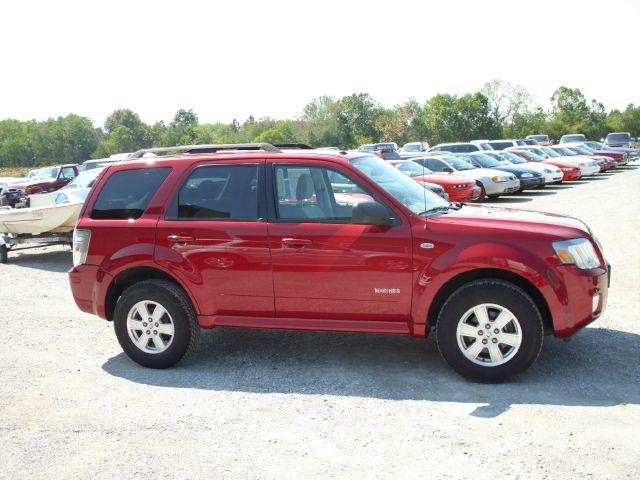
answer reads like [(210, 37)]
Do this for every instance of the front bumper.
[(580, 298), (495, 188), (589, 171), (528, 183)]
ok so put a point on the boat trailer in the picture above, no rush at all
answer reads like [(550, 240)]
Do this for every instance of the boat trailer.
[(16, 242)]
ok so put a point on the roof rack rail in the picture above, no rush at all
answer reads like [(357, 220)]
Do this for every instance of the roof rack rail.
[(266, 147), (299, 146)]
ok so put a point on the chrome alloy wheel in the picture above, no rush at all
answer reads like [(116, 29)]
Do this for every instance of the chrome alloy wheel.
[(150, 327), (489, 335)]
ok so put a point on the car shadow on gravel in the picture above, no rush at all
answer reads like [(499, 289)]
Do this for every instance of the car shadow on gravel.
[(55, 260), (505, 200), (599, 367)]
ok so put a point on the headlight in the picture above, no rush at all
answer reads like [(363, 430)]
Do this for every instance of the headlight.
[(578, 252), (527, 175), (546, 170), (500, 179)]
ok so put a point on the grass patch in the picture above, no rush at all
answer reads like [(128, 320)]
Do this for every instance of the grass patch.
[(13, 172)]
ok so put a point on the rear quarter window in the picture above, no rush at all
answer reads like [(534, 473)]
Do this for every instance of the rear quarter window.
[(127, 193)]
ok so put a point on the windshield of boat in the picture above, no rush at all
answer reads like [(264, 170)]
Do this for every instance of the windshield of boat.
[(84, 179), (410, 193), (44, 174)]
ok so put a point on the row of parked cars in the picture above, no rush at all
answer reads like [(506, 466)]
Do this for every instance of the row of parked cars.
[(464, 171)]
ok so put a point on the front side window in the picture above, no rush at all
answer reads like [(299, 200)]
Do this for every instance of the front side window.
[(127, 193), (218, 192), (316, 194)]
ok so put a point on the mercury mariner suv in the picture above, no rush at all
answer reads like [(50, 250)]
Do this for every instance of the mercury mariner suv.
[(180, 239)]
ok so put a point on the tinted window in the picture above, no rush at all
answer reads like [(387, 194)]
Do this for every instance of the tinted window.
[(317, 194), (127, 193), (618, 137), (219, 192), (501, 145), (411, 148), (462, 148), (435, 165)]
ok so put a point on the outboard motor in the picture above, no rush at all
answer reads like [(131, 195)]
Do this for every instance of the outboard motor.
[(13, 198)]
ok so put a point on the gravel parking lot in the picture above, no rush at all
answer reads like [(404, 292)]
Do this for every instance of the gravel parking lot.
[(275, 404)]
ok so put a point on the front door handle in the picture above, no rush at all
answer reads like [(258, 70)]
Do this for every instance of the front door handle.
[(180, 239), (296, 242)]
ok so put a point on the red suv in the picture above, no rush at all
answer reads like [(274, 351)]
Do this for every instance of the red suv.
[(257, 236)]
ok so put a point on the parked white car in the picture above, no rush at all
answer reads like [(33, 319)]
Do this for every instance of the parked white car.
[(587, 166), (551, 173), (493, 182)]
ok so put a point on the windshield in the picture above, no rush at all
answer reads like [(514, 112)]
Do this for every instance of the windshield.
[(43, 174), (411, 148), (618, 137), (85, 179), (457, 163), (534, 157), (512, 157), (584, 150), (566, 151), (410, 193), (596, 145), (572, 138), (540, 138), (485, 161), (551, 152), (413, 169)]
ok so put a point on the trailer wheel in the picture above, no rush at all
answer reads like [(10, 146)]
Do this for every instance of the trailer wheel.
[(4, 253)]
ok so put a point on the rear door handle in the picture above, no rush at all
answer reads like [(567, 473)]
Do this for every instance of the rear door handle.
[(183, 239), (296, 242)]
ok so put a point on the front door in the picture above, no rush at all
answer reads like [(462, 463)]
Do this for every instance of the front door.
[(214, 239), (323, 265)]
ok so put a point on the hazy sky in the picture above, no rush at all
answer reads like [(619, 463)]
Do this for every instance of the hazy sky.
[(230, 59)]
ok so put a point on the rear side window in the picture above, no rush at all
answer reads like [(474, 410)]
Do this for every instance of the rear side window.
[(218, 192), (127, 193)]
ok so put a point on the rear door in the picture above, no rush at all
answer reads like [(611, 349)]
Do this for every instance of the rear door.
[(323, 265), (214, 238)]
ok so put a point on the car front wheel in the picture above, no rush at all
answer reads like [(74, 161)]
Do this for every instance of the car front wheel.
[(489, 330), (156, 324)]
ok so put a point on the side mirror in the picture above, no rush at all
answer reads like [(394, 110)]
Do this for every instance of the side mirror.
[(371, 213), (447, 169)]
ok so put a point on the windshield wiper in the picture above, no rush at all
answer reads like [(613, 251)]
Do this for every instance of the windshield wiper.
[(442, 209)]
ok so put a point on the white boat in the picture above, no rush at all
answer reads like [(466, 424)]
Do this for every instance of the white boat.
[(52, 218)]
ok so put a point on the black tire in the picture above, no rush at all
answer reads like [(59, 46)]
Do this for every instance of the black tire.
[(186, 329), (483, 192), (492, 197), (506, 295), (4, 254)]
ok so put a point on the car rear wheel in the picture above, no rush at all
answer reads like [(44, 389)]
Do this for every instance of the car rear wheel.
[(156, 324), (489, 330)]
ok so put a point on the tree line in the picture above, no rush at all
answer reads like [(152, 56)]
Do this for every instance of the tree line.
[(498, 110)]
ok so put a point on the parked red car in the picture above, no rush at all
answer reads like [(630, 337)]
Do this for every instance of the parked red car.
[(47, 179), (569, 171), (253, 236), (617, 157), (458, 189)]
